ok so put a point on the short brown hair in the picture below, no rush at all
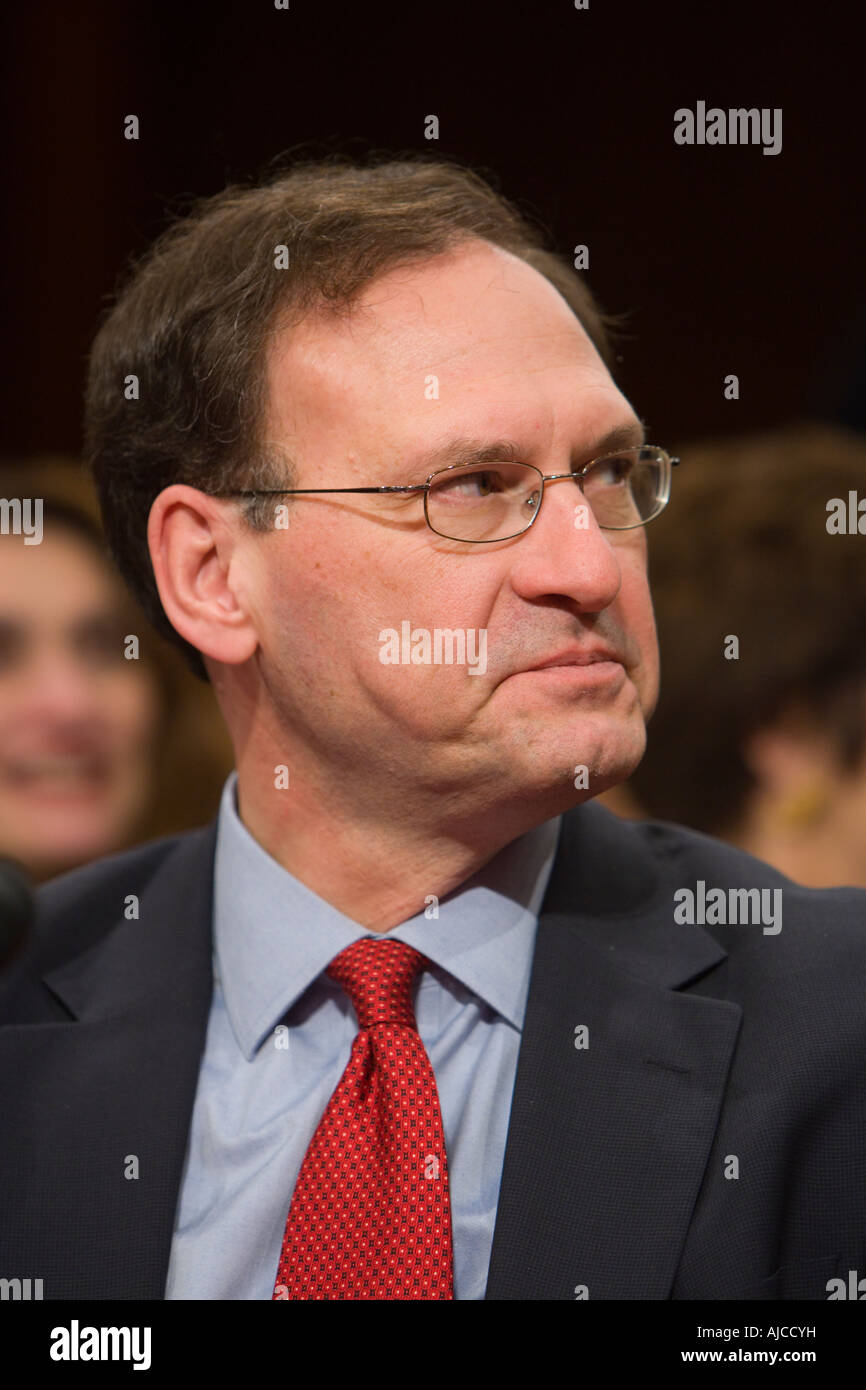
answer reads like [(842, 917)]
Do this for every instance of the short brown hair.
[(743, 550), (194, 318)]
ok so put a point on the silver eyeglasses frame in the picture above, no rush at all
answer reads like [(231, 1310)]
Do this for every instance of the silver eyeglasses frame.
[(576, 475)]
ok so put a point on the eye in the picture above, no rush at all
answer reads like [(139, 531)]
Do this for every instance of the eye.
[(472, 484), (611, 472), (99, 642), (12, 645)]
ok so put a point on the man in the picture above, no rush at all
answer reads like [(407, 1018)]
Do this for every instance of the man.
[(413, 1018)]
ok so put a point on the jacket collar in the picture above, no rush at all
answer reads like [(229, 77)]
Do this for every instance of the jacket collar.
[(611, 1128)]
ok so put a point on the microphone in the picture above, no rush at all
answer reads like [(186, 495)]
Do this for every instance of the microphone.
[(16, 910)]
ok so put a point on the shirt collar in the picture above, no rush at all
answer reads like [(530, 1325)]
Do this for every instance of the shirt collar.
[(273, 936)]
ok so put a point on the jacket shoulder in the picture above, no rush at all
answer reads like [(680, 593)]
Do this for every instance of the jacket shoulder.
[(815, 924), (77, 908), (671, 845)]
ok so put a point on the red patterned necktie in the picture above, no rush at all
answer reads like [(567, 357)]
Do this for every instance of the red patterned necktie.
[(370, 1215)]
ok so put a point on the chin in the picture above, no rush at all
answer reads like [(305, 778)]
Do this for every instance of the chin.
[(610, 757), (611, 761), (609, 772)]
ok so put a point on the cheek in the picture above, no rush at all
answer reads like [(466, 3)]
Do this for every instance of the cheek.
[(635, 599), (646, 625), (647, 641), (638, 619), (378, 587), (130, 708)]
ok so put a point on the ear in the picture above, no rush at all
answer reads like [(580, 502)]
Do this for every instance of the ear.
[(193, 548)]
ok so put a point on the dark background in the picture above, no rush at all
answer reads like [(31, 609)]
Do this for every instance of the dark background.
[(726, 260)]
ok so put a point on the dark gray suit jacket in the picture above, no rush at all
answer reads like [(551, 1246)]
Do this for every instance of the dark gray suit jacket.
[(711, 1050)]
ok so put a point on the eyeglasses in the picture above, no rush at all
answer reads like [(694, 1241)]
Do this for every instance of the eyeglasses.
[(484, 502)]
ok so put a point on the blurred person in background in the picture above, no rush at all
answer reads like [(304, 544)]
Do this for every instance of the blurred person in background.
[(767, 750), (89, 756)]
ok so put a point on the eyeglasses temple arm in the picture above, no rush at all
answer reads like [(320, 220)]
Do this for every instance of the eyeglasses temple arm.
[(296, 491)]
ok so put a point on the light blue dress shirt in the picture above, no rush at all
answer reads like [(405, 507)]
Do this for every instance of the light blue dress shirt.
[(280, 1034)]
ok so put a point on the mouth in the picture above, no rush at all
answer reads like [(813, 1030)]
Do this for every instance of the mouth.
[(58, 774), (577, 672), (588, 673), (599, 656)]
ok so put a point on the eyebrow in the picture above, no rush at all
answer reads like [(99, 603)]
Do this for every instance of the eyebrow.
[(465, 449)]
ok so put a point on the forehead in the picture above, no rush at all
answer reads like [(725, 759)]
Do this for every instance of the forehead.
[(56, 580), (471, 341)]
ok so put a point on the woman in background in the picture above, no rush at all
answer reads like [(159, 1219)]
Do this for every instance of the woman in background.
[(98, 750), (766, 749)]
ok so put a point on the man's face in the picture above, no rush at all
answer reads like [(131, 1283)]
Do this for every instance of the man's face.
[(354, 404)]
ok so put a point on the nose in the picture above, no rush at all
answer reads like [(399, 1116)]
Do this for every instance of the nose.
[(565, 552), (62, 690)]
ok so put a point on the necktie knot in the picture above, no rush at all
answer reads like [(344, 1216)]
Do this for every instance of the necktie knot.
[(378, 976)]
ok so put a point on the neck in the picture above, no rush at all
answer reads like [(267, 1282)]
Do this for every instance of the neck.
[(375, 837), (377, 869)]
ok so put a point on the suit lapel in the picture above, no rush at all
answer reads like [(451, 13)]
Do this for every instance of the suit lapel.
[(102, 1101), (608, 1142)]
